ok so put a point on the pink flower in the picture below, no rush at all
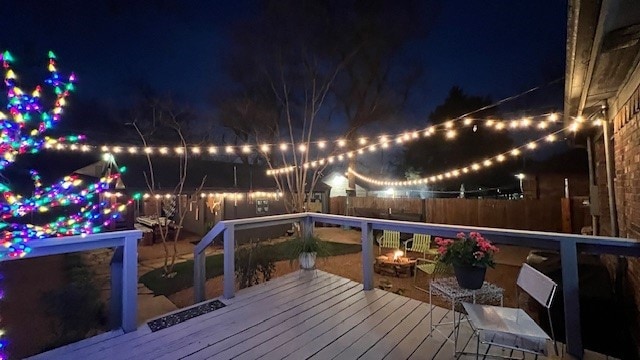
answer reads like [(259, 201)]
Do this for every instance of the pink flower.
[(475, 235), (461, 235)]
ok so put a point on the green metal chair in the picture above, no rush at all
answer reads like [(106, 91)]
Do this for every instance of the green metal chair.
[(389, 239), (420, 243), (431, 267)]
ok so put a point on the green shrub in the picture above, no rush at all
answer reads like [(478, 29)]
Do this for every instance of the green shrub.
[(213, 266), (254, 263), (76, 308)]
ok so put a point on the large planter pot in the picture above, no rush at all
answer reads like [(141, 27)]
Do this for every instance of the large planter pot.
[(470, 277), (307, 260)]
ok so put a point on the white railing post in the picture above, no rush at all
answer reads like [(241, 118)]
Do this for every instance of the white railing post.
[(367, 255), (571, 296), (307, 227), (115, 302), (229, 280), (199, 276), (129, 284)]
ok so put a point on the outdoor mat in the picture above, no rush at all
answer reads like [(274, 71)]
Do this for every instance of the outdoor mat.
[(184, 315)]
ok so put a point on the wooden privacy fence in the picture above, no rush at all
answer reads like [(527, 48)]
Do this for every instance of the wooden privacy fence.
[(525, 214)]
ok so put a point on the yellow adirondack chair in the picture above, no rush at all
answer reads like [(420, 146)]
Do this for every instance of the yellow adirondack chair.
[(420, 243), (389, 239)]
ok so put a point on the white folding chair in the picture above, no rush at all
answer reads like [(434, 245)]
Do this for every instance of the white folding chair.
[(513, 328)]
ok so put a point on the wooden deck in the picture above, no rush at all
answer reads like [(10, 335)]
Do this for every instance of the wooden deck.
[(304, 315)]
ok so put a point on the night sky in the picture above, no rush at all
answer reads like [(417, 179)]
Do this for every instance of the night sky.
[(496, 48)]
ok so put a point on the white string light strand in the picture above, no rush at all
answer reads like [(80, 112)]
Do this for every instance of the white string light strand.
[(475, 166), (522, 123), (385, 141)]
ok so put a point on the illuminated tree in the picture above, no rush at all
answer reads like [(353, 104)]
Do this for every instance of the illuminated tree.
[(71, 206)]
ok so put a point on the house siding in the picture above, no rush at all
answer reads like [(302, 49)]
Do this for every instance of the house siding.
[(626, 153)]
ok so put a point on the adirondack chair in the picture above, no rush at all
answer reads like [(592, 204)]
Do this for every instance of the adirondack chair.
[(389, 239), (420, 243)]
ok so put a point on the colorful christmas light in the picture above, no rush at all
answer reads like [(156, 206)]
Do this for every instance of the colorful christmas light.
[(73, 206)]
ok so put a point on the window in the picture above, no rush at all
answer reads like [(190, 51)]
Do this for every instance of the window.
[(262, 206)]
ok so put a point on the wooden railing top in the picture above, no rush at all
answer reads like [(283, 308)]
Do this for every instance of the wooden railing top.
[(69, 244), (528, 238)]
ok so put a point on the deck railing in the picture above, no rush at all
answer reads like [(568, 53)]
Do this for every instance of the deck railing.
[(569, 246), (124, 268)]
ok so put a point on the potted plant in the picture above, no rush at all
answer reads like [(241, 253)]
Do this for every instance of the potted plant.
[(470, 256), (306, 249)]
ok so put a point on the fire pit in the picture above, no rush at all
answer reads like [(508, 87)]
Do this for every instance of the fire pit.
[(395, 264)]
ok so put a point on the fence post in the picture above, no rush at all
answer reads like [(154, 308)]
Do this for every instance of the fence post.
[(129, 284), (229, 281), (367, 255), (199, 275), (571, 294)]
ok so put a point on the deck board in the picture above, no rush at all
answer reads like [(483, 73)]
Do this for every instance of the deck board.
[(185, 332), (242, 335), (252, 294), (303, 315), (286, 335), (371, 336)]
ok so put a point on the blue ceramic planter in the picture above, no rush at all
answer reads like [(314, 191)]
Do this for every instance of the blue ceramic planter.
[(470, 277)]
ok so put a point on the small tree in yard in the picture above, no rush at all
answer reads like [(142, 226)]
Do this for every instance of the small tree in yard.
[(167, 118), (333, 65)]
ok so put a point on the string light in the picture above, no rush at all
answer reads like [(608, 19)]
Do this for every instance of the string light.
[(449, 129), (462, 170), (383, 140)]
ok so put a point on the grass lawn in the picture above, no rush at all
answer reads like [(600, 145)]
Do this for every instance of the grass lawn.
[(184, 277)]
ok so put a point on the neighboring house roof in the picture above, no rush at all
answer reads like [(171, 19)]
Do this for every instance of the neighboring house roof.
[(219, 175), (53, 166)]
